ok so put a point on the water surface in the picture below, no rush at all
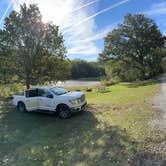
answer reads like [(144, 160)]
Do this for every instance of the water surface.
[(75, 83)]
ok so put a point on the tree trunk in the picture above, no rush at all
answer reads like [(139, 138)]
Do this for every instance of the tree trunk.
[(27, 82), (27, 86), (142, 74)]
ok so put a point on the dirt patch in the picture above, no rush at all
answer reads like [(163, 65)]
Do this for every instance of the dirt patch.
[(103, 107)]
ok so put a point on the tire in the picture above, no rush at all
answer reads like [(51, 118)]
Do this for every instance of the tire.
[(64, 112), (21, 107)]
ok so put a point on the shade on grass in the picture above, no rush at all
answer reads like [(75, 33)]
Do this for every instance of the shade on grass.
[(109, 133)]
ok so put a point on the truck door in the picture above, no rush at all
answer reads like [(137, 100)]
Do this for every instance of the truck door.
[(46, 100), (32, 99)]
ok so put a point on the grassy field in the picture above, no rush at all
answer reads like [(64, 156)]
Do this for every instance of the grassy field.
[(113, 132)]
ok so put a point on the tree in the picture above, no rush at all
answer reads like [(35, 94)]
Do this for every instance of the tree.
[(137, 39), (54, 68), (33, 42)]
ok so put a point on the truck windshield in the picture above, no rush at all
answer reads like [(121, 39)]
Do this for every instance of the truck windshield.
[(59, 91)]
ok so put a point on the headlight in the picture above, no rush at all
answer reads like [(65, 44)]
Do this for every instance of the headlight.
[(73, 101)]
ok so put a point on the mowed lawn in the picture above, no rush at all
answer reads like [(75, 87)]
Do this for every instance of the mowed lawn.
[(112, 132)]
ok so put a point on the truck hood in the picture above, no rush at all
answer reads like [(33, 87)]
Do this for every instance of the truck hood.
[(73, 95)]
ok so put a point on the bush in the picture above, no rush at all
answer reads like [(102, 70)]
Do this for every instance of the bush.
[(9, 90), (109, 82), (17, 88), (5, 92), (102, 89)]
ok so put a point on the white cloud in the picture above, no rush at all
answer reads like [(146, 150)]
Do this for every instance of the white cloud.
[(65, 13), (83, 50), (72, 16), (97, 36), (157, 9)]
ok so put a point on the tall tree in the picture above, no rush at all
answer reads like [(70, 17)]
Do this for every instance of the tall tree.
[(33, 41), (136, 39)]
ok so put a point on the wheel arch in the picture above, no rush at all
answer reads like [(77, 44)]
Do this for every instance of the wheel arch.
[(20, 102), (61, 104)]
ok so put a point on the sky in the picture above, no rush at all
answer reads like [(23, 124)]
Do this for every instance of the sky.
[(85, 23)]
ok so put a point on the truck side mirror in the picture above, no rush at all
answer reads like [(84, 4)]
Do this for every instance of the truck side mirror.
[(50, 96)]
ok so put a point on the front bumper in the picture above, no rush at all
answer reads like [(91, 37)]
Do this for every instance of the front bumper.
[(83, 107)]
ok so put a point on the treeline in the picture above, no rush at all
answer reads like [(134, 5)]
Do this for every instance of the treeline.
[(84, 69)]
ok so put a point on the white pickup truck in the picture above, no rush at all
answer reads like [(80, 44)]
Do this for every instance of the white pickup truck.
[(51, 99)]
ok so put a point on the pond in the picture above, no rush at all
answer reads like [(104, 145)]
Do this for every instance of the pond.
[(76, 83)]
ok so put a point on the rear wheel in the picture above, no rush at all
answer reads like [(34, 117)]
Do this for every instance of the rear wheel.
[(64, 111), (21, 107)]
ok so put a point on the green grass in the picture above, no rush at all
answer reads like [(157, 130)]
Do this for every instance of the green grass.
[(130, 106), (123, 93), (110, 133)]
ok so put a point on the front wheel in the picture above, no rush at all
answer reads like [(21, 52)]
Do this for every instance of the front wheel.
[(64, 112), (21, 107)]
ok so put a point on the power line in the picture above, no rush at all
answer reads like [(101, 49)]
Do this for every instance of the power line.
[(97, 13), (85, 5), (4, 14)]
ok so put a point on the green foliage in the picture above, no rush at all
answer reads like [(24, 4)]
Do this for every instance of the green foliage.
[(139, 40), (53, 69), (121, 71), (7, 66), (6, 69), (84, 69), (5, 92), (33, 43), (9, 89), (16, 88), (155, 63)]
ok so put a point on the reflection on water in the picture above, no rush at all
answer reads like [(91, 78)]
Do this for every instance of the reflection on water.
[(74, 83)]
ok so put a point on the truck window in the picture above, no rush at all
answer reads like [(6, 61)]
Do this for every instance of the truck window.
[(44, 92), (59, 91), (31, 93)]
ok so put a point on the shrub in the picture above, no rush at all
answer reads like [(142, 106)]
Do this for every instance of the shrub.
[(17, 88), (9, 90), (5, 92), (102, 89), (109, 82)]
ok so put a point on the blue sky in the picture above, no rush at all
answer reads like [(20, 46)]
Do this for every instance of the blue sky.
[(84, 23)]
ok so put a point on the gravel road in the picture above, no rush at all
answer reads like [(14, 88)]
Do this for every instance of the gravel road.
[(159, 121)]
